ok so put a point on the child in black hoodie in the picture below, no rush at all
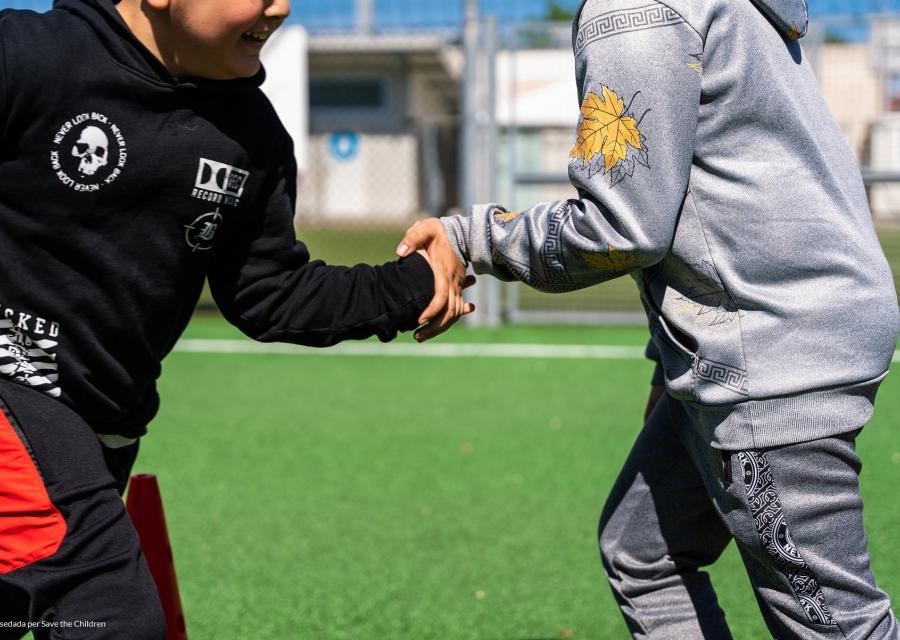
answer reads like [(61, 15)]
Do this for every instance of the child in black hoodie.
[(138, 157)]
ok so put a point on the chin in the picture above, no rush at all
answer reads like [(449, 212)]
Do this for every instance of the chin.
[(232, 70), (246, 70)]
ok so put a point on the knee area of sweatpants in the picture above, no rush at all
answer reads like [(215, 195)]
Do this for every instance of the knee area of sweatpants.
[(149, 624), (614, 554), (136, 611), (145, 623)]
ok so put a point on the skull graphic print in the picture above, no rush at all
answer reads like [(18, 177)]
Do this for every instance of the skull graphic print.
[(89, 152), (92, 148)]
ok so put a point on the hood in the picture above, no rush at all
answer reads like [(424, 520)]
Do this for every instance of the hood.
[(129, 52), (791, 17)]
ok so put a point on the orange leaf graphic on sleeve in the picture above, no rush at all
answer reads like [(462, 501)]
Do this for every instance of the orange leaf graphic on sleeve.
[(506, 216), (605, 129), (614, 261)]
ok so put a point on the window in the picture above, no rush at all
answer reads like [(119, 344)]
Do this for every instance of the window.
[(355, 93)]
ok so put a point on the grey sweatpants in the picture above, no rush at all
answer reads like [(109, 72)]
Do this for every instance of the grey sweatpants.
[(795, 513)]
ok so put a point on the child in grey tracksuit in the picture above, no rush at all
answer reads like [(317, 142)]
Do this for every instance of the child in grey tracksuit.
[(709, 169)]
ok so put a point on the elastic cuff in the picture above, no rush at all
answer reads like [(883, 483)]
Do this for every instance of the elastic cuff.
[(418, 275), (457, 230)]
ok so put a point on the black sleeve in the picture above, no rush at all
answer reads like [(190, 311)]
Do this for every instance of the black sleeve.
[(4, 88), (264, 282)]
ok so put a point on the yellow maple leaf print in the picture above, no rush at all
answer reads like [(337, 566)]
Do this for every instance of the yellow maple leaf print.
[(697, 66), (506, 216), (613, 261), (605, 129)]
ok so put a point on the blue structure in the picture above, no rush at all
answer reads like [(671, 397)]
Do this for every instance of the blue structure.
[(390, 15)]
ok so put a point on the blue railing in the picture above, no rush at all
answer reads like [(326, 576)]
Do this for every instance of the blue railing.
[(406, 15)]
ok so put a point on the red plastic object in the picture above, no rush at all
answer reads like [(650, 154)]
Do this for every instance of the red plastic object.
[(144, 505)]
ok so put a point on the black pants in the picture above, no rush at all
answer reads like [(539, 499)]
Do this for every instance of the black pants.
[(70, 561)]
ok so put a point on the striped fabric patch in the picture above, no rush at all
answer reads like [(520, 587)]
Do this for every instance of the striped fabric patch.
[(27, 360)]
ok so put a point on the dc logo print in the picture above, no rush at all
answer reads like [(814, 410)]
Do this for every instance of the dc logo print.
[(200, 234), (89, 152), (220, 178), (219, 183)]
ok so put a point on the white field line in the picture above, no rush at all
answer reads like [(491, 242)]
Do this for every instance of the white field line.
[(448, 350), (429, 350)]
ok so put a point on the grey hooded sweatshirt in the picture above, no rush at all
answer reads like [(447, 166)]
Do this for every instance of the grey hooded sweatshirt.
[(709, 168)]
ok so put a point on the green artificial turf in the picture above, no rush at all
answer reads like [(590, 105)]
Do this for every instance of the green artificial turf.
[(374, 498)]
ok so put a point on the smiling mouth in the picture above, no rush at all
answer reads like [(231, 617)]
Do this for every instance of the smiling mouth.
[(253, 36)]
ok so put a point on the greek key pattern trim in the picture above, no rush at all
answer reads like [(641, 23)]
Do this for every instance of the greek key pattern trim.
[(614, 23), (731, 378), (553, 252), (521, 271), (775, 537)]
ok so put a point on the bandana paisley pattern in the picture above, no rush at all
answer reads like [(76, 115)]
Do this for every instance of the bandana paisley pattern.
[(775, 536)]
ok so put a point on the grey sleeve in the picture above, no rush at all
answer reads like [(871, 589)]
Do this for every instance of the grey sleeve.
[(631, 162), (457, 229)]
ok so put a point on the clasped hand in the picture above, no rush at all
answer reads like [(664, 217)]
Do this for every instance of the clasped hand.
[(447, 306)]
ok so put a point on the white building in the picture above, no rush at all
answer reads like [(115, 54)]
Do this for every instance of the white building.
[(383, 123), (382, 140)]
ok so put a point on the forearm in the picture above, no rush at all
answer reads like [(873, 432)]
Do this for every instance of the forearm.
[(321, 305), (554, 246), (630, 165)]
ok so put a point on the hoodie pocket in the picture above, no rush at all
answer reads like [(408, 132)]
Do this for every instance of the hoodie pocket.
[(698, 320), (678, 359)]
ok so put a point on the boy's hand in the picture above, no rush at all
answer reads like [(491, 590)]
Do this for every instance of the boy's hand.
[(656, 392), (448, 305)]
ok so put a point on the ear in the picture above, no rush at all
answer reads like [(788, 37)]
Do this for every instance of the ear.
[(158, 5)]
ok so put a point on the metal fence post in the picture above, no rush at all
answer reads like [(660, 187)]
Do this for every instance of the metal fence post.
[(478, 149), (487, 191), (364, 16)]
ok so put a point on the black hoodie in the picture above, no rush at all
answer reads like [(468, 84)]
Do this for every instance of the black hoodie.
[(121, 189)]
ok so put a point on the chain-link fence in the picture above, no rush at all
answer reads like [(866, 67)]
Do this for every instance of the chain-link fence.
[(384, 123), (408, 108), (400, 129)]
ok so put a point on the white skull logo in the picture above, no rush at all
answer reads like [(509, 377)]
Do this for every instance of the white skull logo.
[(93, 149)]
